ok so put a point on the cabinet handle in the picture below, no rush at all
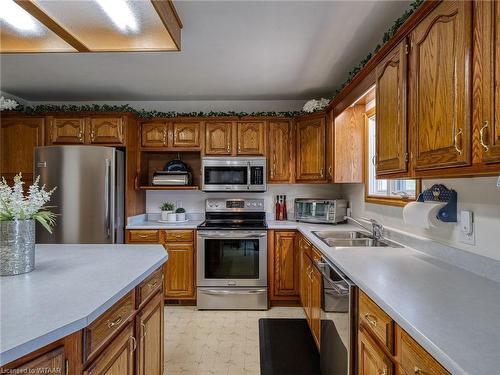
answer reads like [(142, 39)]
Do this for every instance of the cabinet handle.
[(481, 136), (153, 284), (164, 137), (330, 171), (80, 136), (417, 371), (92, 135), (458, 150), (239, 148), (228, 148), (143, 235), (371, 319), (143, 327), (383, 372), (134, 343), (322, 172), (114, 322)]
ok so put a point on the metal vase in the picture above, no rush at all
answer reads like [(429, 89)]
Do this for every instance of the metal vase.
[(17, 247)]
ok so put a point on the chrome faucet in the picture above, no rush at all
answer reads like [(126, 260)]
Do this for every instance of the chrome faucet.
[(377, 229)]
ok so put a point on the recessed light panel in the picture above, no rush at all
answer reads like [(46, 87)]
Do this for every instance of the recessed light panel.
[(111, 25)]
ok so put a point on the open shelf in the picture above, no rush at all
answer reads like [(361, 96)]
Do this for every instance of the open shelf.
[(156, 187)]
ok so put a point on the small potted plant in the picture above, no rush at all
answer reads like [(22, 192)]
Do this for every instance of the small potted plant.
[(181, 214), (167, 211), (18, 214)]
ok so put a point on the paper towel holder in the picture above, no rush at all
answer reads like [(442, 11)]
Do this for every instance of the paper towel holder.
[(440, 193)]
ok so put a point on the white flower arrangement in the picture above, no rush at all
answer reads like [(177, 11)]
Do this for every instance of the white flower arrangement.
[(7, 103), (314, 105), (14, 205)]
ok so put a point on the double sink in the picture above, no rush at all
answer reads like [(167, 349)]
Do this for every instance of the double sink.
[(352, 239)]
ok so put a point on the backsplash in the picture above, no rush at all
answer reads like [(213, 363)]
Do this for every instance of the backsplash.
[(479, 195), (194, 201)]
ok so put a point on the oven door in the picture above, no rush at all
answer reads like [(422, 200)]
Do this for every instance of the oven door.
[(232, 258)]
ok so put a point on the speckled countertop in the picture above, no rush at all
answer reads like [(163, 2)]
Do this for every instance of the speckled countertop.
[(70, 287), (451, 312)]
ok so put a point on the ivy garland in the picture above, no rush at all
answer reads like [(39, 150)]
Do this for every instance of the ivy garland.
[(142, 113)]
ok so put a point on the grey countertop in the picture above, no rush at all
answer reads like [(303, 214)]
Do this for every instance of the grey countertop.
[(154, 224), (70, 287), (451, 312)]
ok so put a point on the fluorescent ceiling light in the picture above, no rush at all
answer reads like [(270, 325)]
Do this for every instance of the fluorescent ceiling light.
[(17, 17), (120, 13)]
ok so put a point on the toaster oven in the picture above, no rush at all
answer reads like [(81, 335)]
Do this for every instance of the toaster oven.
[(330, 211)]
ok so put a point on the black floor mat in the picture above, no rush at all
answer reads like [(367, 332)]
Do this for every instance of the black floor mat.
[(287, 348)]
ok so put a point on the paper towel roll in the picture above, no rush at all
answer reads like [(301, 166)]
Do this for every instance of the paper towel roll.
[(422, 214)]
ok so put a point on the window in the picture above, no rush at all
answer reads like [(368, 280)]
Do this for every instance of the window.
[(396, 192)]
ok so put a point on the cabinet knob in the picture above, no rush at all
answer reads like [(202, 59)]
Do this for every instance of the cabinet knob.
[(115, 322)]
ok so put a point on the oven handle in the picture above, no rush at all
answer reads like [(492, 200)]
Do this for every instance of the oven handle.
[(232, 235), (227, 292)]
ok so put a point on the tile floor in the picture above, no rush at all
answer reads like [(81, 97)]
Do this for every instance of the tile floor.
[(216, 342)]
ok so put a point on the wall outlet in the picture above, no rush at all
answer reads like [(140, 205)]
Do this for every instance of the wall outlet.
[(467, 233)]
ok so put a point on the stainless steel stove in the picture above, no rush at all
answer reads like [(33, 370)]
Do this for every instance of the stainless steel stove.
[(232, 255)]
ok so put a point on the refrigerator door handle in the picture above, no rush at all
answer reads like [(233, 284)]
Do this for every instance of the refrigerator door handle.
[(107, 183)]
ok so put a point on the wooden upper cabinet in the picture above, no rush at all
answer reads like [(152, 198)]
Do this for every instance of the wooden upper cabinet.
[(154, 134), (186, 134), (69, 130), (149, 323), (218, 138), (391, 125), (250, 137), (349, 145), (371, 359), (279, 151), (440, 94), (106, 130), (310, 156), (19, 136), (179, 271), (286, 264), (487, 61)]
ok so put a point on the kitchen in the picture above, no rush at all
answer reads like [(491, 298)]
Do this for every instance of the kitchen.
[(202, 224)]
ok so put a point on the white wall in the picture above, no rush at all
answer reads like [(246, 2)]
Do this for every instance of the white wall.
[(197, 106), (194, 201), (479, 195)]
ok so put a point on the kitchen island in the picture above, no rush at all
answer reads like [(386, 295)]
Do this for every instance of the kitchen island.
[(81, 303)]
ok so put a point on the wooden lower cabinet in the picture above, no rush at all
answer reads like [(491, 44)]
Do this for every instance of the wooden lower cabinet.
[(179, 271), (284, 266), (149, 326), (52, 362), (376, 352), (310, 289), (371, 359), (118, 357)]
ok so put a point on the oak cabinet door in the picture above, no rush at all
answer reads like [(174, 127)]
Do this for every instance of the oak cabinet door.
[(118, 357), (489, 55), (316, 281), (371, 359), (186, 134), (391, 125), (154, 134), (18, 137), (280, 151), (53, 362), (150, 337), (440, 76), (179, 271), (310, 150), (349, 145), (66, 130), (106, 130), (251, 138), (286, 264), (218, 138)]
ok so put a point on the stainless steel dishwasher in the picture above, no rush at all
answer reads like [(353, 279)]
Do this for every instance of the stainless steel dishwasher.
[(338, 321)]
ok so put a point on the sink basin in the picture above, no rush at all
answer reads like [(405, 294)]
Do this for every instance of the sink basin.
[(352, 239), (341, 235)]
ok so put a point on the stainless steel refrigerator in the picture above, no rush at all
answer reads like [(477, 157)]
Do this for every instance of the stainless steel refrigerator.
[(89, 198)]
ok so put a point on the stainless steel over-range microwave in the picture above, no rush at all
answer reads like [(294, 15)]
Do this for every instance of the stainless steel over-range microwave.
[(233, 174)]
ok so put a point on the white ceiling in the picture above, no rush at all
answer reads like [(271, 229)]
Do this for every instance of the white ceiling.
[(231, 50)]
